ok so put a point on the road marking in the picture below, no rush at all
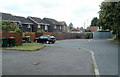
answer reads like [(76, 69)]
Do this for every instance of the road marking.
[(95, 64)]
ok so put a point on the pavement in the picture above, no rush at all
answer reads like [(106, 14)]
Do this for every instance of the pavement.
[(105, 51), (53, 60)]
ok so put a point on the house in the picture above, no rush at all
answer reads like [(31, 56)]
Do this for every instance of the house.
[(93, 28), (25, 25), (64, 26), (54, 25), (10, 18), (38, 24), (75, 31)]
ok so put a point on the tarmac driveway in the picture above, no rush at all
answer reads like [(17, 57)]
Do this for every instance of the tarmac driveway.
[(48, 61)]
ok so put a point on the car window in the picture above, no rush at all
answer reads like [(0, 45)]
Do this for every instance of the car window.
[(45, 36), (52, 37)]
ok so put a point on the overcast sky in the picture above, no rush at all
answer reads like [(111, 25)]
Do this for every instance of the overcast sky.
[(75, 11)]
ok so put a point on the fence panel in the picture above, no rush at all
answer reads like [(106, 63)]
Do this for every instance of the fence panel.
[(17, 35), (102, 35)]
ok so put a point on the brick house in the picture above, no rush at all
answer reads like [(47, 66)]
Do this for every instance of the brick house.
[(64, 26), (38, 24), (54, 25), (25, 25), (93, 28)]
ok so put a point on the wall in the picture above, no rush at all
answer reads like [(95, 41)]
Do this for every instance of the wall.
[(17, 35), (31, 34), (59, 35)]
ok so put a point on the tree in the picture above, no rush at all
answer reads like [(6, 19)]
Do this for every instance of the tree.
[(94, 21), (71, 26), (9, 27), (109, 16)]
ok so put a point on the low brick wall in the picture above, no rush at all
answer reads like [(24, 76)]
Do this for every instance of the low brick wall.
[(17, 35)]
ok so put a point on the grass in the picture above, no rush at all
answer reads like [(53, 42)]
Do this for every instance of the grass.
[(114, 39), (93, 68), (27, 47)]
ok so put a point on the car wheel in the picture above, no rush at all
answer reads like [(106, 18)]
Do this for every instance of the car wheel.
[(47, 42), (36, 41), (53, 42)]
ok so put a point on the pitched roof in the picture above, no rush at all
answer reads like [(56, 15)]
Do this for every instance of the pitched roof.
[(63, 23), (93, 28), (36, 19), (9, 17), (23, 19), (53, 21), (77, 30)]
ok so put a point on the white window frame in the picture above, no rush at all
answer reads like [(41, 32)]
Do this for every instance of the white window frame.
[(29, 26), (46, 27), (60, 27), (55, 27), (39, 26)]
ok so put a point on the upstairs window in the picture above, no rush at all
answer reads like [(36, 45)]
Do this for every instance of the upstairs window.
[(28, 26), (46, 27), (39, 26), (60, 27), (55, 27)]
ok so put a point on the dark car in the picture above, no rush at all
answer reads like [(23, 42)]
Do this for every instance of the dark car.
[(45, 39)]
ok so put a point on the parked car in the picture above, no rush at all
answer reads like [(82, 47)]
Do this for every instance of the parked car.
[(45, 39)]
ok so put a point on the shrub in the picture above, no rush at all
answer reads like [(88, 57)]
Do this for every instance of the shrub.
[(40, 31)]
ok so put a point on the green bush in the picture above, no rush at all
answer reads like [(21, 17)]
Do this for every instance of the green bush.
[(40, 31)]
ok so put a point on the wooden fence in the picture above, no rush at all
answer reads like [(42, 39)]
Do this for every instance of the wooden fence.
[(18, 37), (33, 35), (59, 35)]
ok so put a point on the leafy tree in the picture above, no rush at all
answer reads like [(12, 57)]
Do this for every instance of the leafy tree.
[(71, 26), (94, 21), (109, 16), (9, 27)]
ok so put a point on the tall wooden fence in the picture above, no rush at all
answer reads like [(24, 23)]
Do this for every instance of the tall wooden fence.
[(59, 35), (18, 37)]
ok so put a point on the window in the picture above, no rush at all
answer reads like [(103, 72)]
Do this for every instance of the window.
[(60, 27), (55, 27), (20, 25), (46, 27), (39, 26), (28, 26)]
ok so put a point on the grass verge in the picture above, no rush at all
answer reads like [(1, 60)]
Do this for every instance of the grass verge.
[(93, 68), (27, 47), (114, 39)]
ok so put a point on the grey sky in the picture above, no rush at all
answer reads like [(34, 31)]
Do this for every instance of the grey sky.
[(75, 11)]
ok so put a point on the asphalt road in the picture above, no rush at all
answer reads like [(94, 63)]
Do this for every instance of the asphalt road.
[(0, 62), (106, 52), (48, 61)]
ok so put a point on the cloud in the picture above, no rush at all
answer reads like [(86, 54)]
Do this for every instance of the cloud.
[(75, 11)]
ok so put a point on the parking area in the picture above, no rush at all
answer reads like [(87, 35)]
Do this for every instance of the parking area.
[(53, 60)]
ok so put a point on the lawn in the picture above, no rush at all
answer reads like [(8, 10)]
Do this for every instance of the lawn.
[(27, 47)]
